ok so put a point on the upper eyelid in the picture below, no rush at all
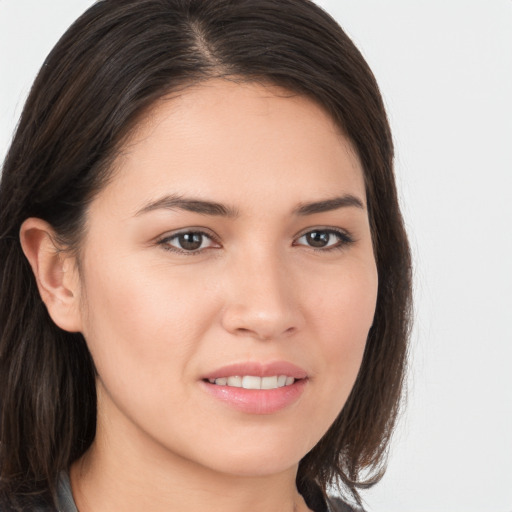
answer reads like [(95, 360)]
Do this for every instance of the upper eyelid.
[(207, 232), (330, 229), (164, 242), (345, 237), (201, 231)]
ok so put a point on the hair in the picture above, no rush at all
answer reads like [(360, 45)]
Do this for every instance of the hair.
[(103, 75)]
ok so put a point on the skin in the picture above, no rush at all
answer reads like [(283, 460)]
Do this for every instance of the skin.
[(156, 321)]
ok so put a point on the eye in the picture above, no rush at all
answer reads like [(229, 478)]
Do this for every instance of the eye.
[(188, 242), (326, 239)]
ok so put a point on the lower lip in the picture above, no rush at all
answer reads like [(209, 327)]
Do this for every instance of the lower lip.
[(257, 401)]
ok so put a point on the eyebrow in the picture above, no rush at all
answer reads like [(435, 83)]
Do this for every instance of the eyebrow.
[(176, 202), (203, 207), (327, 205)]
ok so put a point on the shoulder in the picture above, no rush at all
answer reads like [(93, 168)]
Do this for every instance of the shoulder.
[(9, 507), (318, 501), (338, 505), (10, 503), (66, 502)]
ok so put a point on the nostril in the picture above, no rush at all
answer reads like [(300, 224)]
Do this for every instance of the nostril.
[(262, 320)]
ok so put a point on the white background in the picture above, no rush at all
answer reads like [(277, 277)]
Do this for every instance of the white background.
[(445, 70)]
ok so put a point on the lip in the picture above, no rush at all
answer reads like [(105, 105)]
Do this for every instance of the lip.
[(258, 370), (257, 401)]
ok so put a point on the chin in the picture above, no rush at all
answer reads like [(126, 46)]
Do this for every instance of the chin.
[(264, 466), (257, 459)]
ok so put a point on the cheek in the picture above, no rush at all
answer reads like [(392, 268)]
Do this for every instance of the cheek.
[(141, 319), (343, 317)]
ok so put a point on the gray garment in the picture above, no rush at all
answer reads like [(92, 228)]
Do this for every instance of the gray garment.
[(338, 505), (67, 503), (64, 496)]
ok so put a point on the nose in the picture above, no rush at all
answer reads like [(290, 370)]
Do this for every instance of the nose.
[(262, 299)]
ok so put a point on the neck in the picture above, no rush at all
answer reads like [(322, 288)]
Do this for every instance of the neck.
[(111, 477), (98, 487)]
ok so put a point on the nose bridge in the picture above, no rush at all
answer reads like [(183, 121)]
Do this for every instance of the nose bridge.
[(262, 301)]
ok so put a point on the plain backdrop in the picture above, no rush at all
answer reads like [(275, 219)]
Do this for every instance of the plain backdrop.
[(445, 71)]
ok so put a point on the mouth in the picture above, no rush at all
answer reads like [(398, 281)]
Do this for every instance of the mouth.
[(257, 388), (254, 382)]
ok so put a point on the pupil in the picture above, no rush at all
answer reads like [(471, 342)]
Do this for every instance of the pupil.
[(190, 241), (318, 238)]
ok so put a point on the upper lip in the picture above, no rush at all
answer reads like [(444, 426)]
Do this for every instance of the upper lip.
[(258, 369)]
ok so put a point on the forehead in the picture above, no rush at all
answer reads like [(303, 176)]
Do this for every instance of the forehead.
[(237, 141)]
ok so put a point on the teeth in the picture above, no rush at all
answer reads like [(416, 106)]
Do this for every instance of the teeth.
[(235, 381), (252, 382), (281, 381), (269, 383)]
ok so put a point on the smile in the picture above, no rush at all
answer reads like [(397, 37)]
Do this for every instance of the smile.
[(254, 382)]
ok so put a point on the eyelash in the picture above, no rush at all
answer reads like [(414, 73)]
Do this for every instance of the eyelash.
[(344, 240), (165, 242)]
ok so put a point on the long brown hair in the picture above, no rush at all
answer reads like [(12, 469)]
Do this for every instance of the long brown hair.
[(104, 73)]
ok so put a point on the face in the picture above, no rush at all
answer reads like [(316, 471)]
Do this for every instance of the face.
[(230, 251)]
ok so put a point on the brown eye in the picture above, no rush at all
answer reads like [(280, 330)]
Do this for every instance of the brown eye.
[(188, 242), (318, 238), (324, 239)]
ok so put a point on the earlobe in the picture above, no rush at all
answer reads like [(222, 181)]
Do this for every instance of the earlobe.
[(55, 273)]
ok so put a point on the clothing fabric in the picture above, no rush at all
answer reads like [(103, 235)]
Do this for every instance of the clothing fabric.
[(338, 505), (67, 503)]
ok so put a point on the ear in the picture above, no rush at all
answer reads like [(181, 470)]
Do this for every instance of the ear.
[(55, 272)]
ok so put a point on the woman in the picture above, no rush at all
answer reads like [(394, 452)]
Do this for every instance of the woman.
[(205, 275)]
